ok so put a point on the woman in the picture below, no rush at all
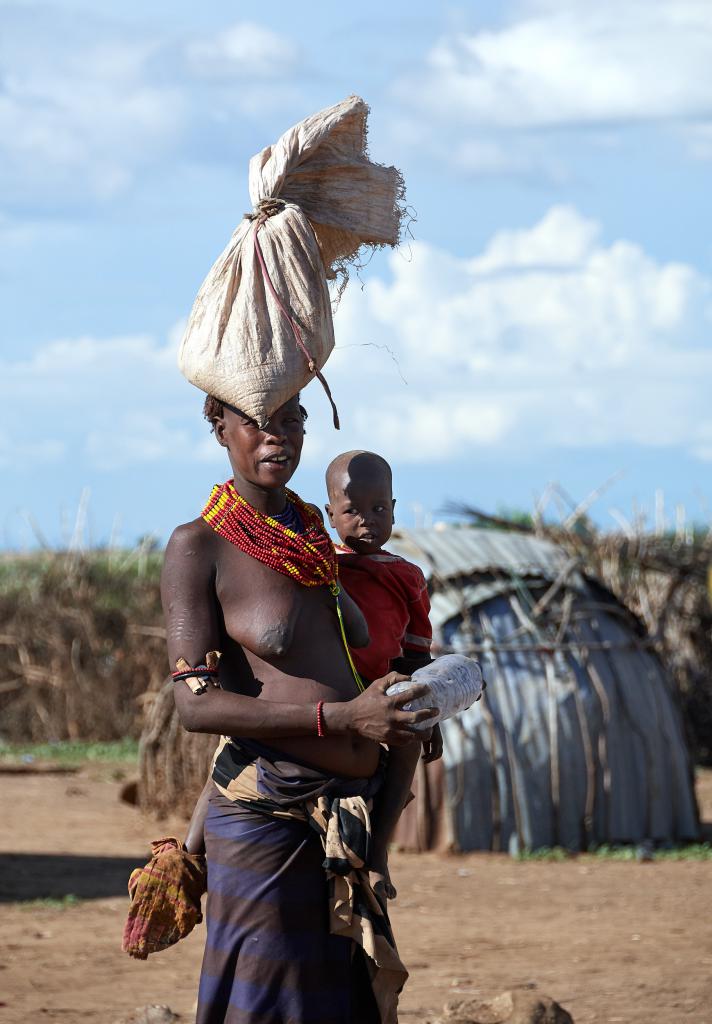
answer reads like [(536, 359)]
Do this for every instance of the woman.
[(237, 581)]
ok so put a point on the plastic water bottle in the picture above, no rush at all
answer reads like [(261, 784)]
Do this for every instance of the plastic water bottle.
[(455, 683)]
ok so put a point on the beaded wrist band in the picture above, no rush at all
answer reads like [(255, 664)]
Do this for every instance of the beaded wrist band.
[(320, 728)]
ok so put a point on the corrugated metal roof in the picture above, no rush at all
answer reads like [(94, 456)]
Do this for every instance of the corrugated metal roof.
[(460, 551), (451, 600)]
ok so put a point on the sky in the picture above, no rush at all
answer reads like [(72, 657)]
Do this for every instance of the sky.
[(550, 320)]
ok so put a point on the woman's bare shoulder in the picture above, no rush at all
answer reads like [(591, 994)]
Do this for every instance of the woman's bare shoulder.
[(191, 545), (193, 535)]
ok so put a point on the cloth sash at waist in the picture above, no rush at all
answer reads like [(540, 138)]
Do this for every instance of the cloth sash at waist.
[(338, 809)]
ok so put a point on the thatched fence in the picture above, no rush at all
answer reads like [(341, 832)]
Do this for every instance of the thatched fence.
[(665, 582), (83, 656), (81, 644), (173, 763)]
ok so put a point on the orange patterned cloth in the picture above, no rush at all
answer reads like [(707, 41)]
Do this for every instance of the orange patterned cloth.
[(165, 899)]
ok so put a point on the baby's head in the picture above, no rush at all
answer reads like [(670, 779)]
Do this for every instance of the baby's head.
[(361, 502)]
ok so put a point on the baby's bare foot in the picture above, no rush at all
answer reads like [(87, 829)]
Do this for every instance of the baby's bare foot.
[(380, 879)]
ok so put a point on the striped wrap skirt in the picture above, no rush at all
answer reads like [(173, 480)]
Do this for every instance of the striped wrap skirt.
[(294, 932)]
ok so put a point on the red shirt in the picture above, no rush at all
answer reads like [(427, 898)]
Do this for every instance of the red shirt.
[(393, 596)]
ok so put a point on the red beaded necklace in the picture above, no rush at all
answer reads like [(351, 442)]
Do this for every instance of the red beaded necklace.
[(308, 557)]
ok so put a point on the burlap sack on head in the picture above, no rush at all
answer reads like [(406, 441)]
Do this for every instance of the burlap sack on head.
[(261, 327)]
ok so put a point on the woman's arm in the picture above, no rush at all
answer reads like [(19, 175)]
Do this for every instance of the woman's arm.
[(192, 629), (188, 595), (372, 714)]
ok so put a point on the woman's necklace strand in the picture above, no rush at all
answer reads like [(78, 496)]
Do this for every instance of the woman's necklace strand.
[(308, 558)]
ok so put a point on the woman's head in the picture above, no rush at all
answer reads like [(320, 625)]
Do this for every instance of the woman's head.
[(265, 458)]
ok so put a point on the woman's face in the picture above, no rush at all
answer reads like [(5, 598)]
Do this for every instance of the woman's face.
[(264, 458)]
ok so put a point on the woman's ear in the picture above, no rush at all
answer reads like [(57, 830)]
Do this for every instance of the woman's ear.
[(219, 430), (393, 510)]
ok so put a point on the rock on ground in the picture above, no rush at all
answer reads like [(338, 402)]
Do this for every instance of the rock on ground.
[(152, 1014), (515, 1007)]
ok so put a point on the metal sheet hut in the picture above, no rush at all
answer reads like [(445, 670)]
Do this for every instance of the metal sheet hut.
[(578, 740)]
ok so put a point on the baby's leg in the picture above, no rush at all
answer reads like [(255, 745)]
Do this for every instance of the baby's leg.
[(194, 838), (388, 805)]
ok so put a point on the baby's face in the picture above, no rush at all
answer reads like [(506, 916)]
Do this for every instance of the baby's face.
[(362, 514)]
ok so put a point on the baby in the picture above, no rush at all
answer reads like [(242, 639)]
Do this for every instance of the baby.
[(392, 595)]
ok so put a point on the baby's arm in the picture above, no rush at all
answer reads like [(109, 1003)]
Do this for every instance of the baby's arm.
[(409, 662)]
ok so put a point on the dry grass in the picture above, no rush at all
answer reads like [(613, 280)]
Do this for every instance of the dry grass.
[(173, 763), (81, 642)]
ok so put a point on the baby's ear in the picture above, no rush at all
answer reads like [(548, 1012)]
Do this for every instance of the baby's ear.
[(330, 514)]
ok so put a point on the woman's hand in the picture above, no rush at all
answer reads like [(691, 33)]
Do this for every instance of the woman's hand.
[(377, 717)]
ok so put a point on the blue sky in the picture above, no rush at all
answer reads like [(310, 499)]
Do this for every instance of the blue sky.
[(550, 321)]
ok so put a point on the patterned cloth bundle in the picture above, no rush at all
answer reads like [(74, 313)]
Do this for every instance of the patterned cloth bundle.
[(165, 899)]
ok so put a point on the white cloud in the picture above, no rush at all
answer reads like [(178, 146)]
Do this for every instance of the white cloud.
[(494, 101), (698, 139), (105, 403), (489, 157), (87, 104), (80, 111), (14, 450), (15, 234), (548, 338), (562, 238), (243, 50), (562, 64), (141, 437), (21, 235)]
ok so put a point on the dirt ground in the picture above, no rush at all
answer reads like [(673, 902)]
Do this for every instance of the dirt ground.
[(611, 941)]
